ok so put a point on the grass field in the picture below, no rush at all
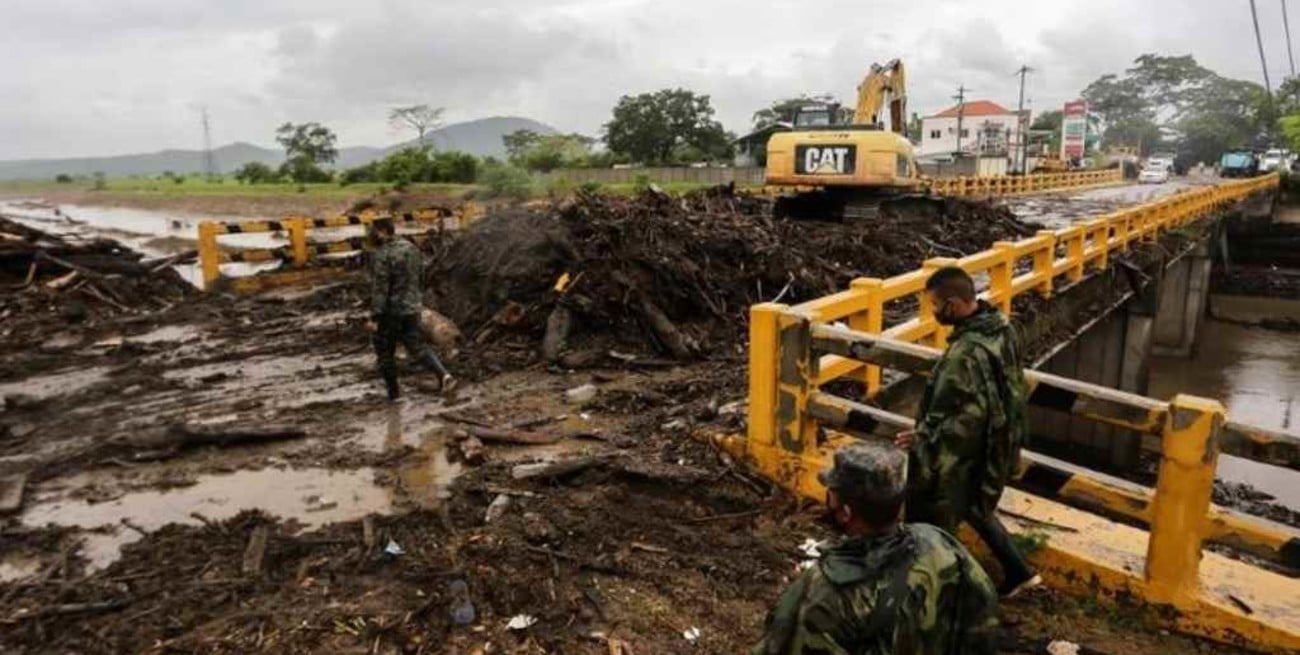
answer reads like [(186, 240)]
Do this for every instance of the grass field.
[(202, 187)]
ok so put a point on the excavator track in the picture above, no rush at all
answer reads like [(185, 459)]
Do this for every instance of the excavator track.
[(853, 205)]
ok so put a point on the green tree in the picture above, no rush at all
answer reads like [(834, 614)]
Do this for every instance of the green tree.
[(1163, 100), (420, 118), (306, 148), (255, 172), (538, 152), (650, 127), (519, 142)]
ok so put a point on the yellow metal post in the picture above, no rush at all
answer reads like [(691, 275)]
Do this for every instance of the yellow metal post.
[(762, 372), (1043, 259), (1189, 454), (298, 240), (1000, 276), (871, 321), (209, 256)]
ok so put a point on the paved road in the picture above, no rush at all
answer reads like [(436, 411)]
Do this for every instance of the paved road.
[(1059, 210)]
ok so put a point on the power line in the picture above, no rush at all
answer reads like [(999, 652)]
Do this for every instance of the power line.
[(1021, 120), (209, 162), (1287, 26), (1259, 41), (961, 111)]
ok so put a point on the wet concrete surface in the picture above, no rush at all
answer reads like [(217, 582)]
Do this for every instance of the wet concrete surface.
[(1255, 372), (1060, 210)]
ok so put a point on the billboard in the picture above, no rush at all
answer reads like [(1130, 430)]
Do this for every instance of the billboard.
[(1074, 129)]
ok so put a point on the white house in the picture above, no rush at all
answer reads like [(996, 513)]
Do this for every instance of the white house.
[(987, 130)]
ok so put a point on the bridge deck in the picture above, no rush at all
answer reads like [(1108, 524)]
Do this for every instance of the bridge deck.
[(1093, 554)]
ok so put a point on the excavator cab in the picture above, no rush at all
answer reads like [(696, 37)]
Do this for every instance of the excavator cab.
[(851, 164), (814, 116)]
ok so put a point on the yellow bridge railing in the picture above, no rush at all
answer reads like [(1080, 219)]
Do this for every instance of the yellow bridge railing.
[(1013, 185), (795, 426), (300, 250)]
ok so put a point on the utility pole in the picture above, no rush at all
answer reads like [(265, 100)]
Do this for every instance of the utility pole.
[(1021, 122), (209, 163), (1259, 41), (1287, 26), (961, 111)]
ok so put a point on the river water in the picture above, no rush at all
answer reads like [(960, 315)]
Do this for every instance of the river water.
[(1255, 373), (153, 233)]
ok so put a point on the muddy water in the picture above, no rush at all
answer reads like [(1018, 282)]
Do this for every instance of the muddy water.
[(312, 496), (1256, 374), (154, 233)]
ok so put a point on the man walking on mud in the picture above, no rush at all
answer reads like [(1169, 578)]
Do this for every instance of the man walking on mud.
[(396, 298), (885, 588), (970, 426)]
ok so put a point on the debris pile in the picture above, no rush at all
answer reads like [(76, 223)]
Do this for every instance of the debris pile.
[(676, 276), (45, 275)]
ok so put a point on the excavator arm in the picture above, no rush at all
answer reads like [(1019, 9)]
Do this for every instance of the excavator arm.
[(881, 83)]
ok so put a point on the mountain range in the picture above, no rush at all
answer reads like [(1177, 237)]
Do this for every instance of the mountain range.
[(481, 137)]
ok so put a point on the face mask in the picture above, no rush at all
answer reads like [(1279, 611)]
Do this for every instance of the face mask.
[(831, 517), (941, 314)]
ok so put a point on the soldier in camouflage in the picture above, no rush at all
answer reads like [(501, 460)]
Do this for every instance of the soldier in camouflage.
[(886, 588), (966, 444), (396, 300)]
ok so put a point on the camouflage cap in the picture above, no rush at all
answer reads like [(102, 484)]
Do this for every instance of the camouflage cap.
[(867, 471)]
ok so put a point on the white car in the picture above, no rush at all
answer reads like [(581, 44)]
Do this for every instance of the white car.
[(1153, 175)]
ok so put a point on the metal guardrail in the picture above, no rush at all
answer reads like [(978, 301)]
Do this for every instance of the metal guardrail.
[(1013, 185), (299, 251), (1068, 253), (793, 424)]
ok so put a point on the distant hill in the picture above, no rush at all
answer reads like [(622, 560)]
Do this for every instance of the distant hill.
[(481, 137)]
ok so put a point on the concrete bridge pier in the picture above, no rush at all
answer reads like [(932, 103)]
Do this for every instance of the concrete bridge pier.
[(1162, 317), (1184, 294)]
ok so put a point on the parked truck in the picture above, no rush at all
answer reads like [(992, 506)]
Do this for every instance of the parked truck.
[(1239, 163)]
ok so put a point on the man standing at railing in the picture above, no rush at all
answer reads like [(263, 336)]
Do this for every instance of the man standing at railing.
[(885, 587), (396, 298), (970, 425)]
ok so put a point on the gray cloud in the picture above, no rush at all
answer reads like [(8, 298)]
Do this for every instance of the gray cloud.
[(90, 77)]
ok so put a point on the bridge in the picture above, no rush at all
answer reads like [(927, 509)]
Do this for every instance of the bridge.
[(1103, 535)]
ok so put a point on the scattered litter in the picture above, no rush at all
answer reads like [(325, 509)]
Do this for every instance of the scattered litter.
[(497, 508), (582, 394), (462, 608), (520, 622), (394, 549), (1061, 647), (691, 634), (812, 551)]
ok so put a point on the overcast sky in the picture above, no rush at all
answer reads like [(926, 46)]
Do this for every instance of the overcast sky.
[(102, 77)]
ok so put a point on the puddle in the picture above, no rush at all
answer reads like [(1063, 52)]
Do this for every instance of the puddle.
[(313, 497), (154, 233), (55, 384)]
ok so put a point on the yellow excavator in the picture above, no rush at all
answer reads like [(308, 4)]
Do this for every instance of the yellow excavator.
[(836, 170)]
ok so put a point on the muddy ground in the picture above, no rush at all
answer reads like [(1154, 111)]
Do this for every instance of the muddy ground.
[(130, 541)]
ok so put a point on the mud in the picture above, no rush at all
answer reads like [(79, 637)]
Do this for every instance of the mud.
[(119, 550)]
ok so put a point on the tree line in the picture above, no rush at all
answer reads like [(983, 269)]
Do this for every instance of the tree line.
[(661, 128)]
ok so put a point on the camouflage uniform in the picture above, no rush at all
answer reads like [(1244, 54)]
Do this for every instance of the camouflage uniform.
[(911, 590), (396, 269), (971, 427)]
